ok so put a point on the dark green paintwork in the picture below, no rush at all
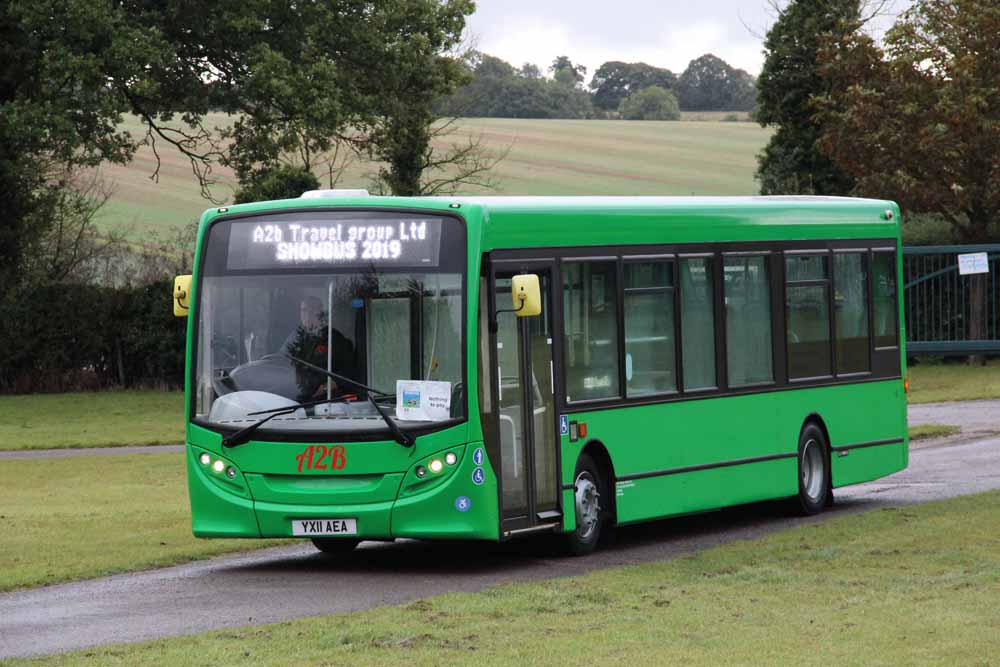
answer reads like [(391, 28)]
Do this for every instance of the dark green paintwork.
[(378, 486)]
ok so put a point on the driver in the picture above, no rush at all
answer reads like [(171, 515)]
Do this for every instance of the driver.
[(309, 341)]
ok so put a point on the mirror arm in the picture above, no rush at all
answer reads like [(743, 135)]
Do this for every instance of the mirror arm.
[(495, 325)]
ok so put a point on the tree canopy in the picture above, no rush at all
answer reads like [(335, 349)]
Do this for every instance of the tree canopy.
[(710, 83), (615, 80), (788, 84), (650, 103), (919, 121)]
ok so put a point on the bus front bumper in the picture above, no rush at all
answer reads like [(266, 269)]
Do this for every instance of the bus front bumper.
[(457, 507)]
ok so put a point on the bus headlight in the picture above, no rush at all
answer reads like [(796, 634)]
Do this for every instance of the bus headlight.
[(435, 465), (204, 459), (450, 458), (218, 466)]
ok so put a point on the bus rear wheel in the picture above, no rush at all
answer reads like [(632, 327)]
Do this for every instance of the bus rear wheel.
[(588, 493), (334, 546), (814, 470)]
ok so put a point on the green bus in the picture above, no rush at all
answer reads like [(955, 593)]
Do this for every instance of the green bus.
[(371, 368)]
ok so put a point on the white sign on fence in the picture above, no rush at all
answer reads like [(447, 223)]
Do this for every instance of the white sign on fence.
[(973, 262)]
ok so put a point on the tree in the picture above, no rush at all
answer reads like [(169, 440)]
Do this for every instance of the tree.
[(650, 103), (530, 71), (281, 182), (615, 80), (497, 90), (565, 72), (710, 84), (789, 81), (919, 121)]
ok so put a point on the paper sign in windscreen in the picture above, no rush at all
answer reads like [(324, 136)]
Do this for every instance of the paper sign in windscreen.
[(418, 400)]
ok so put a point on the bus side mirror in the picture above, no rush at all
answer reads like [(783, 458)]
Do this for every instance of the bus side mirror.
[(182, 295), (526, 295)]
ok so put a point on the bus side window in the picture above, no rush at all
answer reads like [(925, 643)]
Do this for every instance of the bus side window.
[(591, 330), (884, 293), (697, 322), (650, 333), (748, 320), (850, 277)]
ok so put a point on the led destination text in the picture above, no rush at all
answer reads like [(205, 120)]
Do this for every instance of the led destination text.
[(315, 242), (339, 242)]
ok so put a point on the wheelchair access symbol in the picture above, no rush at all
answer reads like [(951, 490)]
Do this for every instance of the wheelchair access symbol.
[(478, 476), (462, 503)]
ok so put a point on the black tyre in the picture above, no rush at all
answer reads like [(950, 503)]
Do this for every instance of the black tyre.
[(334, 546), (814, 470), (589, 504)]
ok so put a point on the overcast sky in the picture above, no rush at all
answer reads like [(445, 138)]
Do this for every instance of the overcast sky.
[(659, 32)]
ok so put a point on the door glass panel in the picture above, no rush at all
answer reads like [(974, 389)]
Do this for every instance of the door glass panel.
[(542, 403), (510, 398)]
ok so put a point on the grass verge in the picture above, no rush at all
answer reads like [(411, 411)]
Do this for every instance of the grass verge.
[(917, 585), (924, 431), (86, 516), (932, 383), (91, 419)]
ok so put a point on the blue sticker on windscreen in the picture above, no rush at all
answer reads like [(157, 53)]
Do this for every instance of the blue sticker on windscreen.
[(357, 303)]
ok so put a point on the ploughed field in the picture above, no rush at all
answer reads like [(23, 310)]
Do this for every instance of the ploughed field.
[(546, 157)]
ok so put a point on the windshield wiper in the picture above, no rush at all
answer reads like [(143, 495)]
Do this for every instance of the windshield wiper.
[(243, 435), (370, 392)]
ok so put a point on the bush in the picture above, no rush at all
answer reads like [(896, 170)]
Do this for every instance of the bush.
[(282, 182), (73, 337), (651, 103)]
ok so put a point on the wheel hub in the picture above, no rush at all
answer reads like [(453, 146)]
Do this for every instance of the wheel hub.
[(588, 509), (812, 470)]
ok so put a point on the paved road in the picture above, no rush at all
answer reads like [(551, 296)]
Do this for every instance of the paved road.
[(89, 451), (291, 582), (975, 419)]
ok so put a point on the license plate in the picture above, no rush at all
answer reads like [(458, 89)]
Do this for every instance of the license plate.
[(311, 527)]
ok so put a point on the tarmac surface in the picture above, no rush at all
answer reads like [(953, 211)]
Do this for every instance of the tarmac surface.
[(291, 582)]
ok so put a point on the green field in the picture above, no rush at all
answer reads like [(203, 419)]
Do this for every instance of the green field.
[(117, 418), (565, 157), (932, 383), (88, 516), (914, 585), (91, 419)]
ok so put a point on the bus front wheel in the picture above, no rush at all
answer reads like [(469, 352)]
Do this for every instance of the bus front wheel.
[(814, 470), (589, 498), (334, 546)]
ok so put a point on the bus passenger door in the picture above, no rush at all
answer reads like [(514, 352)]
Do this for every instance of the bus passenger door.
[(526, 419)]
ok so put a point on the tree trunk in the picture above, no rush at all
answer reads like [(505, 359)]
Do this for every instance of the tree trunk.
[(976, 287)]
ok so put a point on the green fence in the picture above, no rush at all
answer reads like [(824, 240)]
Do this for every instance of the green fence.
[(947, 312)]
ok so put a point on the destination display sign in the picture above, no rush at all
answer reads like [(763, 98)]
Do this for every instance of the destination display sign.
[(271, 244)]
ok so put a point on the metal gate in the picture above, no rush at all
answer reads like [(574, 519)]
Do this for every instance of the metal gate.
[(947, 312)]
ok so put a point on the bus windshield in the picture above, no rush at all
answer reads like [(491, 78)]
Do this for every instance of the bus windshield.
[(375, 320)]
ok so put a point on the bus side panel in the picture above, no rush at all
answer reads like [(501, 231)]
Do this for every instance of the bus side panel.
[(703, 489), (650, 439), (654, 443), (863, 465)]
